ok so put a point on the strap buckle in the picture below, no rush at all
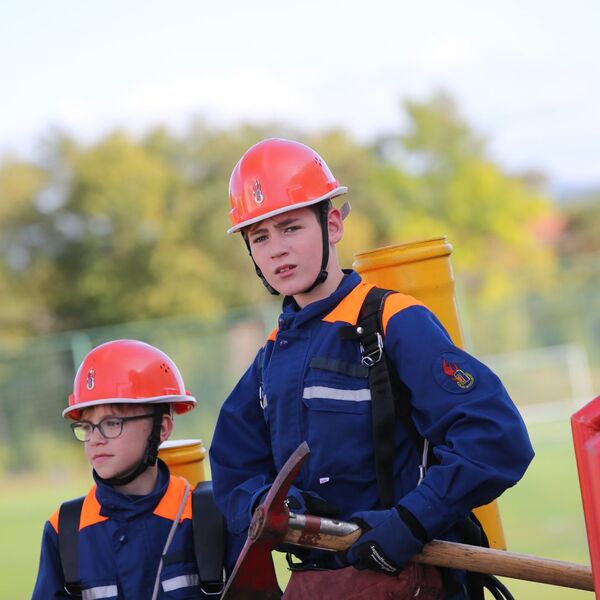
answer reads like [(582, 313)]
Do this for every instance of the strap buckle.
[(372, 357), (213, 588)]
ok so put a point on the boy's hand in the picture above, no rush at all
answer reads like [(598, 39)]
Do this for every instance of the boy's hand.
[(386, 544)]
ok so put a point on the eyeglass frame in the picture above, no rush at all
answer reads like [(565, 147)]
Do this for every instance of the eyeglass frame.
[(99, 426)]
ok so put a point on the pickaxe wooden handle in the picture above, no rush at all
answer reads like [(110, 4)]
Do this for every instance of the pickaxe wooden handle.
[(327, 534), (272, 525)]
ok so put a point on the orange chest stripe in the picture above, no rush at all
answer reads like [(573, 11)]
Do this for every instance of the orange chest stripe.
[(90, 512), (169, 504), (167, 507)]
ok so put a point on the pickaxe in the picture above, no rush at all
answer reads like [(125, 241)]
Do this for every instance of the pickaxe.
[(272, 524)]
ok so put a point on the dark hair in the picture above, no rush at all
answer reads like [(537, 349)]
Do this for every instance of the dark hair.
[(316, 208)]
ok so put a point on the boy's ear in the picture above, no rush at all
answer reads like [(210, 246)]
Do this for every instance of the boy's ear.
[(166, 427), (335, 225)]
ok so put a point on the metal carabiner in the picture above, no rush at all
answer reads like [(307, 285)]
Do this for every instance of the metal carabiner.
[(368, 360)]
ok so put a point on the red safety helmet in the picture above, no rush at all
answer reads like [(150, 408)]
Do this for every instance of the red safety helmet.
[(276, 176), (128, 372)]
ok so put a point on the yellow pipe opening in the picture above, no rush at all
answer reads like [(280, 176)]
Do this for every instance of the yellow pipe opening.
[(185, 458)]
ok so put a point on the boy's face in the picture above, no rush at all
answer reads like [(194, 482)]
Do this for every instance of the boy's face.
[(117, 456), (288, 248)]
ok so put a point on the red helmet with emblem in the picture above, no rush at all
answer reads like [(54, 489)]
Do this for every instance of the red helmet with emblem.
[(128, 372), (276, 176)]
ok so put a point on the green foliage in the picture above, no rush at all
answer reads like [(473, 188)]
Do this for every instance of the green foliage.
[(25, 505), (582, 223), (22, 304), (458, 191)]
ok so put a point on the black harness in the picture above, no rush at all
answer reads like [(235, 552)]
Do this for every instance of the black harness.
[(209, 534), (390, 398)]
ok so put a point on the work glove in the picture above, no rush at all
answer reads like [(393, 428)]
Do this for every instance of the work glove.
[(386, 543), (303, 503)]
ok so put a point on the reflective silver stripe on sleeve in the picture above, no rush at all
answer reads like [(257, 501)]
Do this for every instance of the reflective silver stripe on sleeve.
[(102, 591), (179, 582), (319, 391)]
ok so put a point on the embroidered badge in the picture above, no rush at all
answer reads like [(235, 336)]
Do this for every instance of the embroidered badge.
[(455, 372), (257, 192), (90, 382), (462, 379)]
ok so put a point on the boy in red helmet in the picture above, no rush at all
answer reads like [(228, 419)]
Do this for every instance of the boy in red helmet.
[(135, 527), (310, 382)]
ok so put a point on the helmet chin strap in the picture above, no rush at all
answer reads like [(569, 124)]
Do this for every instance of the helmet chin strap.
[(150, 455), (322, 276)]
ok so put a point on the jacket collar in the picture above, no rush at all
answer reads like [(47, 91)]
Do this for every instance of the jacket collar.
[(123, 506), (293, 316)]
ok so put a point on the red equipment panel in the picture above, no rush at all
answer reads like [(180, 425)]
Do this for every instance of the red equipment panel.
[(585, 425)]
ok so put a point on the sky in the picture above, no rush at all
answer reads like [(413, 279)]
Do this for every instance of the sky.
[(525, 74)]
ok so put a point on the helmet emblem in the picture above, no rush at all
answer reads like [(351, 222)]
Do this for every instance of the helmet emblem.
[(90, 382), (257, 192)]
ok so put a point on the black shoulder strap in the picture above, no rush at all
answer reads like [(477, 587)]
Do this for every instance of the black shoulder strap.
[(209, 538), (383, 408), (389, 396), (69, 515)]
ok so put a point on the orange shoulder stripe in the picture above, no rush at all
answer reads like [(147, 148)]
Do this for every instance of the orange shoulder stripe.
[(169, 504), (347, 310), (54, 520), (273, 335), (394, 303)]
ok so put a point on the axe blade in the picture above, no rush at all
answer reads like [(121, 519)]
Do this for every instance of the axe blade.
[(253, 576)]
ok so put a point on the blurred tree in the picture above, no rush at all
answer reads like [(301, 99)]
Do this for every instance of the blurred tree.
[(489, 216), (20, 236), (581, 227), (126, 230), (202, 160)]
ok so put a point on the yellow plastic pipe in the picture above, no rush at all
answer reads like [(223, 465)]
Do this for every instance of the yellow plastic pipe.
[(185, 458), (422, 269)]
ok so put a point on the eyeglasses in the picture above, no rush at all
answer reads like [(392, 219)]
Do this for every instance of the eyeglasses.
[(109, 427)]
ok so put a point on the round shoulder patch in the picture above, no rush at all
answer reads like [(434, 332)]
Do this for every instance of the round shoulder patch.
[(454, 372)]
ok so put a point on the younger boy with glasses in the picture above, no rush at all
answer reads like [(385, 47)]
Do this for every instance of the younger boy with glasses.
[(135, 529)]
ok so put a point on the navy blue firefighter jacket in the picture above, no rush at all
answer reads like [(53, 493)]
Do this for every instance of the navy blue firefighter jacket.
[(121, 539), (316, 391)]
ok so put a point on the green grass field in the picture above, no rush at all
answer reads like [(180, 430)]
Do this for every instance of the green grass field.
[(541, 516)]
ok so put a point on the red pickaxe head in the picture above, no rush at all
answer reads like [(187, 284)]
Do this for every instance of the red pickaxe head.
[(254, 573)]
